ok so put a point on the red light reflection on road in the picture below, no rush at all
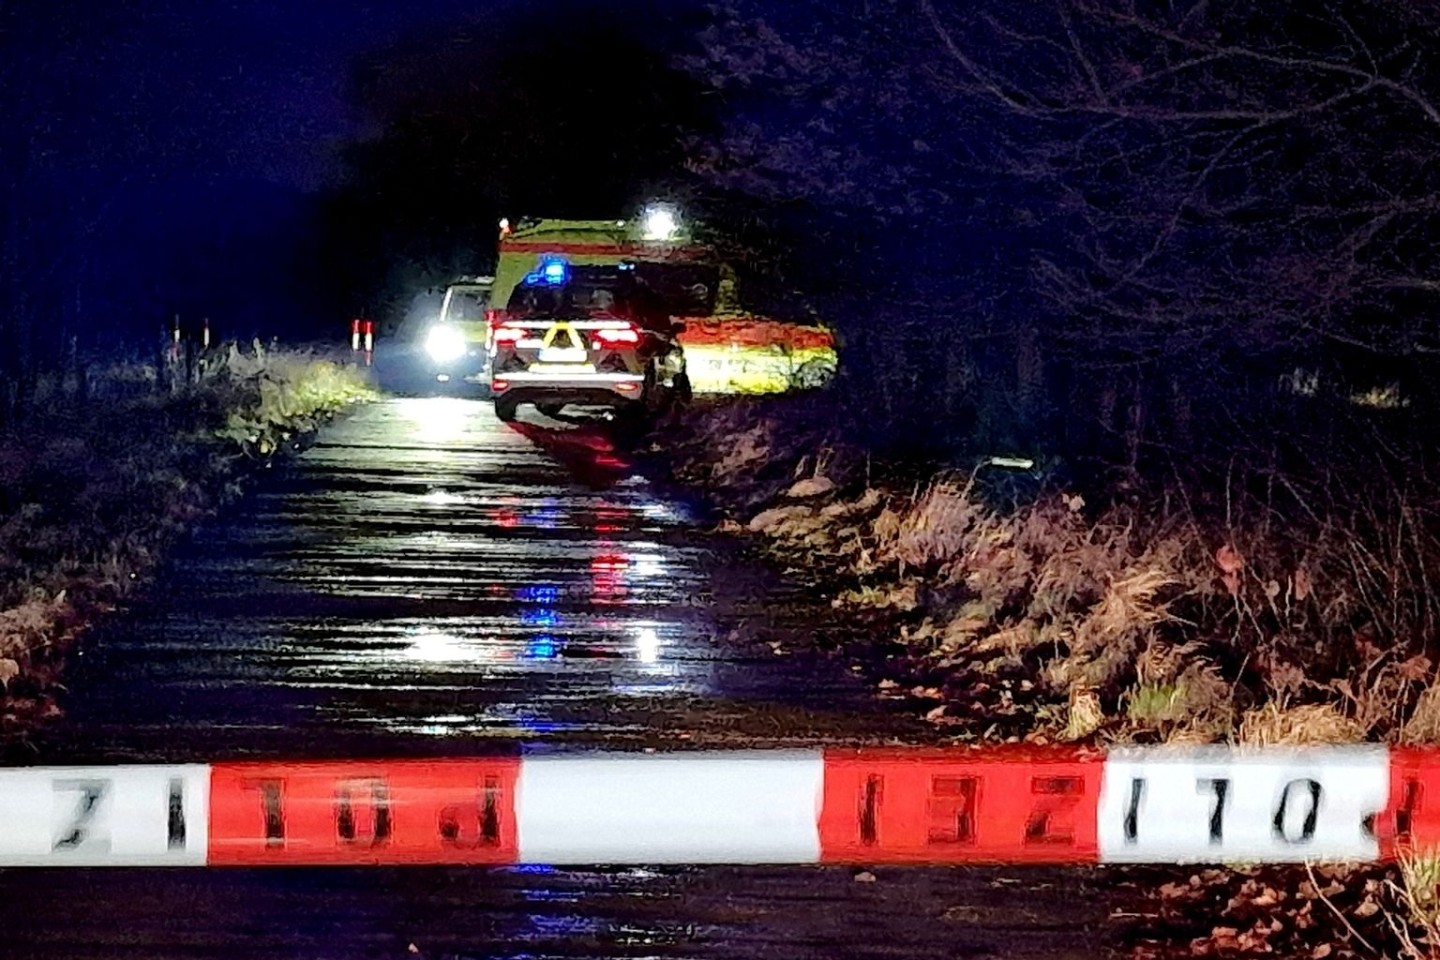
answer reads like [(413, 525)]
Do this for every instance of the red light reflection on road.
[(607, 573), (587, 451), (607, 520)]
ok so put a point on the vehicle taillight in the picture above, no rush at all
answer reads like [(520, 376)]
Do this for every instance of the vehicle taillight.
[(509, 334), (615, 335)]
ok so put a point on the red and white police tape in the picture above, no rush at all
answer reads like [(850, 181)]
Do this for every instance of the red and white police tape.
[(870, 806)]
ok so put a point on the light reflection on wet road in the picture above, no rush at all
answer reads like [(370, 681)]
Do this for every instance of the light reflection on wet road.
[(426, 581)]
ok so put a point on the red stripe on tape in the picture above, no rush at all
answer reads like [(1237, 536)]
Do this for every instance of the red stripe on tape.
[(411, 811), (1411, 818), (947, 806)]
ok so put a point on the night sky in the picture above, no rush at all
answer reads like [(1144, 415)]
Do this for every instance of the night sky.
[(195, 159), (253, 89)]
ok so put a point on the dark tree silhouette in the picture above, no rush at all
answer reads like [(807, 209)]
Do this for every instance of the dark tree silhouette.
[(1171, 203), (571, 112)]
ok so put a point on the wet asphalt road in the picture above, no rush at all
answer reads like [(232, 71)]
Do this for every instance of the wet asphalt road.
[(426, 581)]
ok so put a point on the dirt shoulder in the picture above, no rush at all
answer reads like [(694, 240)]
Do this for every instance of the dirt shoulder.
[(100, 482)]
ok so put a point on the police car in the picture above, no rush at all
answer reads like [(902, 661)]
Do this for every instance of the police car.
[(585, 335)]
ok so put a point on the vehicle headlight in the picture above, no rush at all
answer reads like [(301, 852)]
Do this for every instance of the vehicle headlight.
[(445, 344)]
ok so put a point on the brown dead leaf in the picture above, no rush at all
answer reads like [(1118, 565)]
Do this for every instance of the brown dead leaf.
[(1225, 939), (1301, 585), (816, 486), (1367, 908), (1229, 560), (1267, 898), (1321, 952), (1254, 942), (1417, 668), (1367, 648)]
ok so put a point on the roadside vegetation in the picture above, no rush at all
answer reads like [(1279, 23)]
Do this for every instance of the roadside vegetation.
[(1014, 600), (1285, 600), (111, 467)]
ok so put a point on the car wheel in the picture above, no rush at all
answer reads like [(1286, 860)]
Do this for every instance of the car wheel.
[(505, 408), (683, 393)]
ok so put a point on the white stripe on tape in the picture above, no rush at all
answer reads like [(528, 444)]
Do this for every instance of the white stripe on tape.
[(1177, 805), (104, 816), (711, 808)]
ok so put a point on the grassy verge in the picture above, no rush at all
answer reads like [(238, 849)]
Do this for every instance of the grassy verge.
[(1016, 610), (1003, 607), (101, 481)]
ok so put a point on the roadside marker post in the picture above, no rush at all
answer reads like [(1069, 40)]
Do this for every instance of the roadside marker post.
[(998, 805)]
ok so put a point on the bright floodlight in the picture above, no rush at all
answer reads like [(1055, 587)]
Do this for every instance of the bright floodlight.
[(445, 344), (660, 223)]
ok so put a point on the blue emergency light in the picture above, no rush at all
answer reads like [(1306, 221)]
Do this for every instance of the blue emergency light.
[(551, 271)]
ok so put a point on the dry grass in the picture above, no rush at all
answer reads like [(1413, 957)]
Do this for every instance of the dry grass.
[(940, 526), (1153, 618), (1317, 723), (1085, 716), (1417, 928), (98, 488), (284, 392), (1423, 726)]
